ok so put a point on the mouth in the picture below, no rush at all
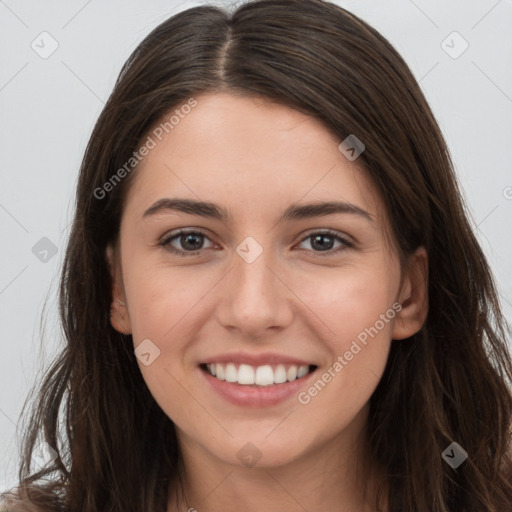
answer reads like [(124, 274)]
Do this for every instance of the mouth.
[(267, 375)]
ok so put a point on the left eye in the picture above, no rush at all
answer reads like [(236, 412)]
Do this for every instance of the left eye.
[(191, 242), (319, 238)]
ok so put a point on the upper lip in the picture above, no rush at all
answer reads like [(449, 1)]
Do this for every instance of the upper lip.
[(256, 359)]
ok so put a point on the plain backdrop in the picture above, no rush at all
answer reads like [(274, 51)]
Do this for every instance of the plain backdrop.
[(50, 103)]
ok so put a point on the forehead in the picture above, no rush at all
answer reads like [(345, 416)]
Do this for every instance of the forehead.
[(248, 153)]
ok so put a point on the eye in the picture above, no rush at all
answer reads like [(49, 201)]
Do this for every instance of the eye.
[(190, 240), (324, 241)]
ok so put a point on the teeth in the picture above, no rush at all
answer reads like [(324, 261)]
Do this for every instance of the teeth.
[(220, 374), (231, 373), (291, 373), (280, 374), (303, 370), (245, 374), (265, 375)]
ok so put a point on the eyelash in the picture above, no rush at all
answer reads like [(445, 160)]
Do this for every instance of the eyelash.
[(165, 243)]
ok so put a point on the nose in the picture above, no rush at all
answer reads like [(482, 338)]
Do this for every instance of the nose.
[(255, 297)]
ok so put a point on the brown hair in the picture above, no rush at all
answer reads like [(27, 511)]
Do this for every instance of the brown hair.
[(450, 382)]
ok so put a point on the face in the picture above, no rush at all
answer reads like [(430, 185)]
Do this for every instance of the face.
[(292, 308)]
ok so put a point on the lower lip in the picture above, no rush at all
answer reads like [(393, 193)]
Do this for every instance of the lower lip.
[(256, 396)]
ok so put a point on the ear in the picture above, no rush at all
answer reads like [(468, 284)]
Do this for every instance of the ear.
[(119, 317), (413, 296)]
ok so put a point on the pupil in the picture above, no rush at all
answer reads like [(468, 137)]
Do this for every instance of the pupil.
[(186, 237), (321, 239)]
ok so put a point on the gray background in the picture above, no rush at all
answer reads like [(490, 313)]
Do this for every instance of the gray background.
[(49, 106)]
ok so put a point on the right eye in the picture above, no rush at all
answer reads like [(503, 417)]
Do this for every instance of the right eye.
[(189, 239)]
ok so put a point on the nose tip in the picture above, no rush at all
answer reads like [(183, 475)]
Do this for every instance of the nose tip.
[(254, 298)]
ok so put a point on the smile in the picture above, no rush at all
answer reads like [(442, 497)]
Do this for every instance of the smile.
[(264, 375)]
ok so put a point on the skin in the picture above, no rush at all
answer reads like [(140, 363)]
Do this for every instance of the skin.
[(255, 158)]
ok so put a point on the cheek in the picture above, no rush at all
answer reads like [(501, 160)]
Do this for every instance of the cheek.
[(167, 307), (349, 301), (162, 305), (357, 311), (163, 300)]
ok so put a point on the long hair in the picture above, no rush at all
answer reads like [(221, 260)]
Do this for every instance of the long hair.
[(115, 449)]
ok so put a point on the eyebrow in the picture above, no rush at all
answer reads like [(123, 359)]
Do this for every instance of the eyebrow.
[(293, 212)]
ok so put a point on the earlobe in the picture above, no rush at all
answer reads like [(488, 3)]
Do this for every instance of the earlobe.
[(119, 317), (413, 297)]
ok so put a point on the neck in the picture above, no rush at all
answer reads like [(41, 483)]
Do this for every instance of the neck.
[(328, 477)]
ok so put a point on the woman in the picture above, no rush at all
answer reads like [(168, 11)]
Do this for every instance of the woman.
[(272, 296)]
